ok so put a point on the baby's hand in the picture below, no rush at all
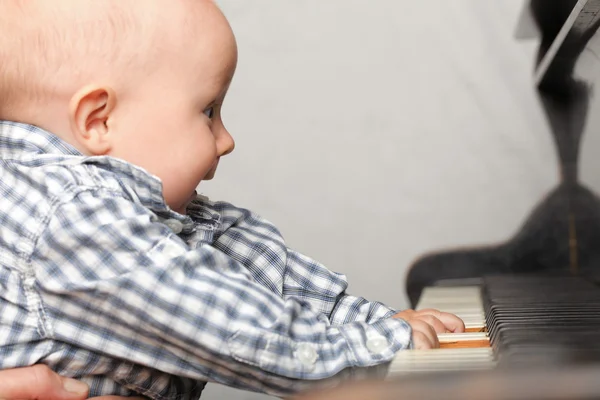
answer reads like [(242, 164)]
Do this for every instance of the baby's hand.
[(427, 323)]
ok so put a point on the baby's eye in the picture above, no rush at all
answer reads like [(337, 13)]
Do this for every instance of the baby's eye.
[(209, 112)]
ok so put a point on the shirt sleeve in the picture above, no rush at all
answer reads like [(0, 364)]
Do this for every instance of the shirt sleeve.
[(260, 247), (115, 280)]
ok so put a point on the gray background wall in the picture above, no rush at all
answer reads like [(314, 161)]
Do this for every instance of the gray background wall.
[(372, 132), (588, 70)]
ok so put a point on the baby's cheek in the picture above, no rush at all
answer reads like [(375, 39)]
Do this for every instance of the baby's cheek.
[(177, 187)]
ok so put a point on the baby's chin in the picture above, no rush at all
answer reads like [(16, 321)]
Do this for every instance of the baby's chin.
[(209, 175), (183, 209)]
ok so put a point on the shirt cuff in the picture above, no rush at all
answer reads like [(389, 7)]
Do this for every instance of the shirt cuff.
[(389, 312), (356, 344), (393, 312), (377, 342)]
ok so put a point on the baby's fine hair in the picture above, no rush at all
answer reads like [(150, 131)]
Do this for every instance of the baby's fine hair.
[(45, 43)]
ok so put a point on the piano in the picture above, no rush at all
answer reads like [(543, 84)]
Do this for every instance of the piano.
[(531, 305), (562, 233), (532, 301)]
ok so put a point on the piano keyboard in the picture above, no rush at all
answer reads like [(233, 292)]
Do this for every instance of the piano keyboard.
[(512, 320)]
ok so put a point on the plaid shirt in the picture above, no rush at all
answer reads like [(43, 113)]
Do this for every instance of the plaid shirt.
[(101, 281)]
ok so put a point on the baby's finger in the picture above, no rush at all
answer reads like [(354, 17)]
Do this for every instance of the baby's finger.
[(435, 323), (421, 341), (405, 315), (426, 329), (451, 322)]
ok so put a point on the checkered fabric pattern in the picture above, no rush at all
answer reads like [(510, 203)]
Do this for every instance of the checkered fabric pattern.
[(102, 281)]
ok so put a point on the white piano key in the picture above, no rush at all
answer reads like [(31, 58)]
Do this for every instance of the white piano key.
[(420, 361), (462, 337), (466, 303)]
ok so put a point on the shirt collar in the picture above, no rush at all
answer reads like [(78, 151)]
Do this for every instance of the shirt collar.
[(27, 142), (19, 141)]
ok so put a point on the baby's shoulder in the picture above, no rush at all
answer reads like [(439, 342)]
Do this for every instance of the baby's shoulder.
[(33, 189), (58, 179)]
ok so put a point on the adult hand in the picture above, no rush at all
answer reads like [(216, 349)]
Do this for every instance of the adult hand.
[(39, 383)]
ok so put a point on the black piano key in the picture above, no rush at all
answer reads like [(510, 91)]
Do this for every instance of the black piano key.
[(542, 319)]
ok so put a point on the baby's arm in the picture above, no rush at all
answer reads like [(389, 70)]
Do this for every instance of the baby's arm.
[(289, 273), (118, 283), (425, 324), (294, 275)]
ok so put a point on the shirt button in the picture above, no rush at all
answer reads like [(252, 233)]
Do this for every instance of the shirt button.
[(307, 355), (377, 344), (171, 252), (174, 225)]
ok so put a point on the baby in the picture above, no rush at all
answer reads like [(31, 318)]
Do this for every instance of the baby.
[(113, 270)]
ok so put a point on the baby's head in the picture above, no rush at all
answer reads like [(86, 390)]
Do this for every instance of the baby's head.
[(143, 81)]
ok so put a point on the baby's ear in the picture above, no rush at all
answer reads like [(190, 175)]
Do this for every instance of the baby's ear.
[(89, 111)]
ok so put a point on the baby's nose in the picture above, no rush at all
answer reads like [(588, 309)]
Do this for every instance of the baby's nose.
[(226, 143)]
